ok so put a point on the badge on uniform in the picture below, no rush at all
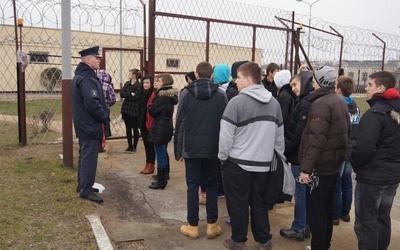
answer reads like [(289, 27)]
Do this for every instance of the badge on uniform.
[(94, 93)]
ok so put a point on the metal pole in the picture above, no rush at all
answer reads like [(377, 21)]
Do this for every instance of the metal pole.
[(309, 32), (144, 38), (253, 49), (152, 36), (21, 92), (341, 47), (120, 44), (67, 133), (208, 42), (384, 49), (292, 45), (309, 23)]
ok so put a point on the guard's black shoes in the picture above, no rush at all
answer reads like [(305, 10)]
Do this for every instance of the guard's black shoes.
[(96, 190), (292, 234), (92, 197)]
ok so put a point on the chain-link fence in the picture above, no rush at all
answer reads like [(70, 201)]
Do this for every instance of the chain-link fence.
[(106, 23), (186, 33)]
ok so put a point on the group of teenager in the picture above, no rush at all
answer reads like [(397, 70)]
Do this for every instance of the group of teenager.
[(230, 131), (309, 120), (148, 105)]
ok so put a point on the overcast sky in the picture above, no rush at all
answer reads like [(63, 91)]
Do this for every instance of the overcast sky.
[(378, 15)]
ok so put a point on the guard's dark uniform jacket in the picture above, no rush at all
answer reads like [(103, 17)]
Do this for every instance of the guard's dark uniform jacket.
[(88, 103)]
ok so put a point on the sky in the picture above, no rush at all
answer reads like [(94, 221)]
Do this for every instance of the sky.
[(377, 15)]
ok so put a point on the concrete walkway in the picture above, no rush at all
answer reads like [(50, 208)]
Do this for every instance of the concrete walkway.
[(142, 218)]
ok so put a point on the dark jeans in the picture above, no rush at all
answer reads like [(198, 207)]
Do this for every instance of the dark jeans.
[(244, 189), (201, 169), (131, 124), (320, 211), (148, 146), (87, 165), (372, 207), (344, 191), (300, 214)]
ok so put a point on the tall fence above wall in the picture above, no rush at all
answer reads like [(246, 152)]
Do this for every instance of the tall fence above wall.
[(232, 35), (92, 23)]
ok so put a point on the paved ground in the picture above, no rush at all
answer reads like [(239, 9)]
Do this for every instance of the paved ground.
[(136, 217)]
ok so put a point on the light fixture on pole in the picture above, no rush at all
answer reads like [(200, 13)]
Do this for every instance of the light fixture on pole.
[(309, 22)]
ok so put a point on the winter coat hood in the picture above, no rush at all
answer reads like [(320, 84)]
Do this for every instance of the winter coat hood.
[(306, 79), (234, 68), (258, 92), (221, 73), (282, 78), (104, 76), (390, 103), (202, 88)]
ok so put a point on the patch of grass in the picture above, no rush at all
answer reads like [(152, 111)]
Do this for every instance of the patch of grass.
[(362, 104), (39, 206), (35, 107)]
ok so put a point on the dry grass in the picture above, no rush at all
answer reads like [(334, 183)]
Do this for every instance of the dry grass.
[(39, 208)]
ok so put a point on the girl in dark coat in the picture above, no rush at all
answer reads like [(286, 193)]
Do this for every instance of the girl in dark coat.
[(149, 95), (161, 130), (132, 108)]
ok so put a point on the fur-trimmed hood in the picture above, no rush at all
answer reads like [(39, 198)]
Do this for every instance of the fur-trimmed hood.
[(388, 101)]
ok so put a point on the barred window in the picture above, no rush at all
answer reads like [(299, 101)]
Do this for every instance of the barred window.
[(38, 57), (173, 63)]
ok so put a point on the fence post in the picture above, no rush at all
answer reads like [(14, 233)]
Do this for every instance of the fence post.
[(384, 49), (341, 46), (152, 37)]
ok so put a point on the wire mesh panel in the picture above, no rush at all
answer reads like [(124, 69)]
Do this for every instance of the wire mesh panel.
[(105, 23), (193, 32), (186, 31)]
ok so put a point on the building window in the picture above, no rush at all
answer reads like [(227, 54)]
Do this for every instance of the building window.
[(38, 57), (351, 75), (173, 63)]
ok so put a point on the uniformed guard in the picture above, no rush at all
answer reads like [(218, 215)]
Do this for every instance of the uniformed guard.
[(89, 114)]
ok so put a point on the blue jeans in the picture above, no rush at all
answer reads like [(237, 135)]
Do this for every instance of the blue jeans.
[(204, 169), (344, 191), (161, 155), (372, 207), (300, 213)]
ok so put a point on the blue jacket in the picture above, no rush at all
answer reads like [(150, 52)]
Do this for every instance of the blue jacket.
[(88, 103)]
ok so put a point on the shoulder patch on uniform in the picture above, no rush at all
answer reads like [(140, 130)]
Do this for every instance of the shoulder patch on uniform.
[(94, 93)]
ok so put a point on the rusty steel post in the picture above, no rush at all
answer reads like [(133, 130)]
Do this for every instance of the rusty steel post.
[(384, 50), (152, 37)]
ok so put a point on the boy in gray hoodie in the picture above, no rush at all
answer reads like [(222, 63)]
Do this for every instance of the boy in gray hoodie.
[(251, 129)]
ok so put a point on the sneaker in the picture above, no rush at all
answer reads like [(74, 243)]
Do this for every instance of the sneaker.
[(265, 246), (228, 221), (345, 218), (230, 244), (221, 195), (292, 234), (307, 233), (336, 222), (131, 150), (309, 248)]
